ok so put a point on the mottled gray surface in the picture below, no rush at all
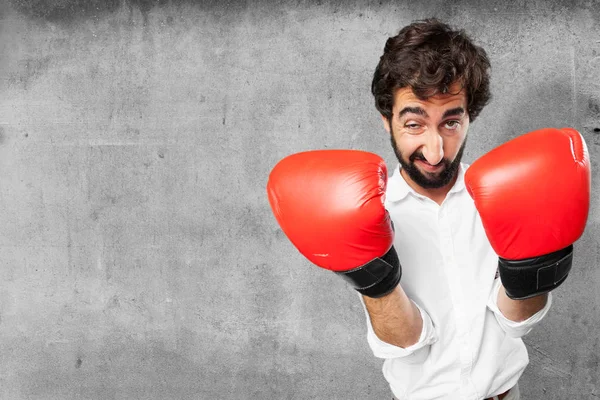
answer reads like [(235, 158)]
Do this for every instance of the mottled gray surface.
[(139, 257)]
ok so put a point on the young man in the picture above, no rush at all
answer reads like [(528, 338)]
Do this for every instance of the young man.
[(430, 84), (424, 251)]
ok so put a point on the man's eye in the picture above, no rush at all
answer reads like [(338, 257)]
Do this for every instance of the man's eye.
[(412, 126), (454, 124)]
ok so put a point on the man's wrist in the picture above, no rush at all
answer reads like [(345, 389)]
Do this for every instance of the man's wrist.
[(520, 310)]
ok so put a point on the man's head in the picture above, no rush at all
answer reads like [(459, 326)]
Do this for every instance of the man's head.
[(429, 84)]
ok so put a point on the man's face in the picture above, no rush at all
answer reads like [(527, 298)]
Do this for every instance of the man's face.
[(428, 136)]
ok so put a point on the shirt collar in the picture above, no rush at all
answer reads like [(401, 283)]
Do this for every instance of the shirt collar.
[(398, 189)]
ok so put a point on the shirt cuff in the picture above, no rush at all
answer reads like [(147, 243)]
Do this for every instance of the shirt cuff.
[(512, 328), (416, 353)]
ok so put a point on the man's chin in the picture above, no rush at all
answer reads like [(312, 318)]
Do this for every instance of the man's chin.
[(430, 180), (433, 183)]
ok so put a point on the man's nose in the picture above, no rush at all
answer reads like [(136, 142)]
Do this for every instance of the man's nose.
[(433, 150)]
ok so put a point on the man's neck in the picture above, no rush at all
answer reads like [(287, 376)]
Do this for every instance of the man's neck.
[(438, 195)]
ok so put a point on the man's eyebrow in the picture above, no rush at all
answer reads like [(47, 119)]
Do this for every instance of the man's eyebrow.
[(413, 110), (453, 111)]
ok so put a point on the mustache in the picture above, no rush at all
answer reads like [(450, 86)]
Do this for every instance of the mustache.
[(417, 155)]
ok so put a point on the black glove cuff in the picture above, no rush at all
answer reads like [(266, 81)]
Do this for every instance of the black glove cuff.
[(530, 277), (376, 278)]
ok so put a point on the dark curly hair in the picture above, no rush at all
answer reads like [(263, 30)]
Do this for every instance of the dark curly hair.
[(428, 56)]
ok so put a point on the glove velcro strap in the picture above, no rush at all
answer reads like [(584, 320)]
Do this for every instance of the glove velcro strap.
[(530, 277), (376, 278)]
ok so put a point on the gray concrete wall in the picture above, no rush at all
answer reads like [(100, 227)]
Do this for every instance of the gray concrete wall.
[(139, 258)]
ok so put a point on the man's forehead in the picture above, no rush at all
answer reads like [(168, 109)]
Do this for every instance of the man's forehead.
[(406, 98)]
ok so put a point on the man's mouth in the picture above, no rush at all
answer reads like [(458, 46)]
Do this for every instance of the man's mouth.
[(428, 167)]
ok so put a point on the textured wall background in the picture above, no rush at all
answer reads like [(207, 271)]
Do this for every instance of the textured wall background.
[(139, 257)]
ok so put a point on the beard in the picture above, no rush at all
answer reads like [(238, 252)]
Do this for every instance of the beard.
[(429, 180)]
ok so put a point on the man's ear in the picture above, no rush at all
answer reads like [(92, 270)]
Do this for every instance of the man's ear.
[(386, 123)]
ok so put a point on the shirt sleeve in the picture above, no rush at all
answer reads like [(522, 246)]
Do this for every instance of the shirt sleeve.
[(415, 353), (512, 328)]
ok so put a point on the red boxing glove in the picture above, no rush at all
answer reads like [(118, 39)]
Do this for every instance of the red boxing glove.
[(533, 196), (329, 203)]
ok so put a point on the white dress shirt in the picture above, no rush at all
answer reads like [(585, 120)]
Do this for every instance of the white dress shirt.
[(467, 349)]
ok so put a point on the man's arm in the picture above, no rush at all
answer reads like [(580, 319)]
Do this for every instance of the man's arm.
[(395, 318), (520, 310), (517, 317)]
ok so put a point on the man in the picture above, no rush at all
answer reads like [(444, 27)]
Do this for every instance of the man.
[(436, 310), (443, 84)]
